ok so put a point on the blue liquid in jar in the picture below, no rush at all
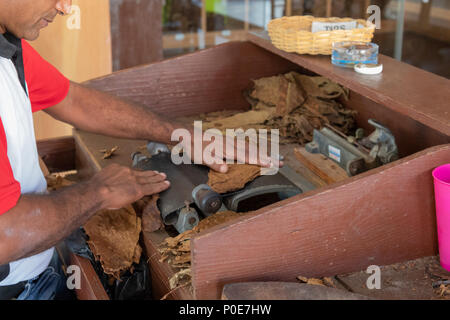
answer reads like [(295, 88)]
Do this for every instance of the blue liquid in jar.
[(348, 53)]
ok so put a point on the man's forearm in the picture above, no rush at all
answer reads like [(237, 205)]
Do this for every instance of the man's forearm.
[(38, 222), (98, 112)]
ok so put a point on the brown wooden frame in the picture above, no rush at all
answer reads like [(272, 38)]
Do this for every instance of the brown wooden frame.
[(58, 154), (385, 215)]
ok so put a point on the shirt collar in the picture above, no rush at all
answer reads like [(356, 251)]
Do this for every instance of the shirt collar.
[(9, 45)]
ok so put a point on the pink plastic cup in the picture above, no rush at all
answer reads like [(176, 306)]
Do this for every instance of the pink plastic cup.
[(441, 177)]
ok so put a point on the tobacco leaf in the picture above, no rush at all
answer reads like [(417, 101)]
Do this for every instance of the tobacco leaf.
[(183, 258), (295, 104), (281, 92), (177, 250), (267, 90), (236, 178), (325, 281), (320, 87), (108, 153), (435, 269), (180, 278), (113, 239), (291, 95), (151, 216), (180, 245), (242, 120), (313, 281), (55, 182)]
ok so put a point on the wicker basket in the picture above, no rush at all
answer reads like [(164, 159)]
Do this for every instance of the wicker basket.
[(293, 34)]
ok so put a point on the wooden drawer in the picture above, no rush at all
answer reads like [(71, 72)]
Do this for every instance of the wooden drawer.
[(383, 216)]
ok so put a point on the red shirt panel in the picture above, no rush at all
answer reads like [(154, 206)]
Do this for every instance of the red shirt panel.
[(46, 85)]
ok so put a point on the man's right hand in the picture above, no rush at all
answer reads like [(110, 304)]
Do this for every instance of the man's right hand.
[(119, 186)]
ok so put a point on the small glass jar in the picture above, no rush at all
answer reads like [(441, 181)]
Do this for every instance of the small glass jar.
[(349, 53)]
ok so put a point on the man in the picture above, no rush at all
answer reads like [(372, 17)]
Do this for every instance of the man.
[(32, 221)]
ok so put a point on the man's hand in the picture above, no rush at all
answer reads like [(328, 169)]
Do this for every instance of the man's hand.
[(119, 186), (248, 151)]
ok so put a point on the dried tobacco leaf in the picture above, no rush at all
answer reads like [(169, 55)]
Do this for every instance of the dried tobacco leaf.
[(55, 182), (180, 277), (151, 216), (107, 154), (267, 90), (236, 178), (176, 251), (242, 120), (113, 239), (291, 96), (313, 281), (286, 102), (182, 259), (320, 87)]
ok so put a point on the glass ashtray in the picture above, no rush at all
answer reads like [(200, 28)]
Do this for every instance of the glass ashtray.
[(349, 53)]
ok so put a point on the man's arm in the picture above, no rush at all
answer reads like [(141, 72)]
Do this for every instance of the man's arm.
[(38, 222), (98, 112), (95, 111)]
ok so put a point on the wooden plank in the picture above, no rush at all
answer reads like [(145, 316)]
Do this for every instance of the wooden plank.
[(288, 8), (205, 81), (409, 280), (90, 288), (136, 32), (43, 167), (397, 87), (58, 154), (410, 135), (91, 144), (287, 151), (85, 161), (329, 8), (383, 216), (325, 168), (273, 290)]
